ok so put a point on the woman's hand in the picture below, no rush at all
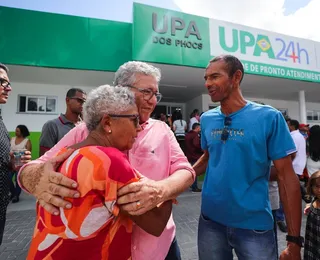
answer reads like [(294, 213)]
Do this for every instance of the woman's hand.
[(49, 186), (24, 159), (307, 209)]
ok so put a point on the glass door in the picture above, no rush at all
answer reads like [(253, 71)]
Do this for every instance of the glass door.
[(159, 109)]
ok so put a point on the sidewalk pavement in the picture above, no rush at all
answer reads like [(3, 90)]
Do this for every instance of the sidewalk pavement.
[(21, 218)]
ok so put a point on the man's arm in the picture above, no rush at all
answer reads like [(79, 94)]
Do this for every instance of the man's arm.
[(200, 166), (280, 146), (155, 220), (175, 184), (293, 155), (151, 193), (290, 195), (273, 174), (181, 173)]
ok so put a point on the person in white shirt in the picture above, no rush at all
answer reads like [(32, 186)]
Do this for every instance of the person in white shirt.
[(299, 160), (18, 142), (313, 161), (194, 118), (179, 126)]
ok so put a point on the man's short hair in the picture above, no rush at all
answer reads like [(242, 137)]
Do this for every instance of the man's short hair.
[(72, 92), (233, 64), (195, 125), (4, 67), (294, 123)]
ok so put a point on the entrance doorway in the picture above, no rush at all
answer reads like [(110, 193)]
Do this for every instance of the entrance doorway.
[(168, 109), (160, 109)]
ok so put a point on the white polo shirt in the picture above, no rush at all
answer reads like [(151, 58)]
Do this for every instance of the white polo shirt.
[(299, 162), (192, 121)]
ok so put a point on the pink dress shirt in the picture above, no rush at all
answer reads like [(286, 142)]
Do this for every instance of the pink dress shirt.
[(156, 154)]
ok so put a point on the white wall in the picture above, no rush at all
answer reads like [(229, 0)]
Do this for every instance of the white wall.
[(291, 106), (34, 122), (192, 104)]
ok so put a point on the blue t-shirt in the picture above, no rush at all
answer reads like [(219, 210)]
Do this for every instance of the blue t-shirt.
[(235, 189)]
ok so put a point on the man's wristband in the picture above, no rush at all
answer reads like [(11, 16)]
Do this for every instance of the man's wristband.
[(297, 240)]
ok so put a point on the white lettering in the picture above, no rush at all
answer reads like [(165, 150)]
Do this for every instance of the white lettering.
[(254, 68), (246, 66)]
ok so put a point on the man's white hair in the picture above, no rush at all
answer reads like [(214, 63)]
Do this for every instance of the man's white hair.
[(105, 100), (126, 74)]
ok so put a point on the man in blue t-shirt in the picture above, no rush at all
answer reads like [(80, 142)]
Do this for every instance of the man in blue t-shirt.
[(240, 138)]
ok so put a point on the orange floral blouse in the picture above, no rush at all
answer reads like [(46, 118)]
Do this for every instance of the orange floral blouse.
[(93, 229)]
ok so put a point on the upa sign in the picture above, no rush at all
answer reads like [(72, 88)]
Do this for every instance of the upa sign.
[(161, 35), (164, 36), (259, 46)]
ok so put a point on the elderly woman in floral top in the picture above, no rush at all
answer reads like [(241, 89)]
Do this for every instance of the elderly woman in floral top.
[(95, 228)]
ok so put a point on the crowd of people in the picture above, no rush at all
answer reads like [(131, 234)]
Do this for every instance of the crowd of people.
[(109, 182), (188, 136)]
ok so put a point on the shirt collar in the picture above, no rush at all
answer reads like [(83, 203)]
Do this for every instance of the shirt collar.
[(295, 132), (64, 120), (145, 124)]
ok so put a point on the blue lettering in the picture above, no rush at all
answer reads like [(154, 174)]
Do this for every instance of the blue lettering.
[(302, 51), (282, 49)]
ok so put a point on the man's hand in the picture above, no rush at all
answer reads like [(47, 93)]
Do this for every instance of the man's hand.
[(139, 197), (292, 252), (49, 186)]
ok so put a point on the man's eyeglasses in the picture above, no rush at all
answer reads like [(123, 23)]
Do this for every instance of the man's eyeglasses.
[(134, 118), (225, 131), (5, 83), (148, 93), (80, 100)]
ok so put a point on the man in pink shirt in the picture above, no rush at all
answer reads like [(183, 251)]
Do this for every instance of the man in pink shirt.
[(156, 154)]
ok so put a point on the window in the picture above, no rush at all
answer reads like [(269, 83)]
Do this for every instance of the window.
[(309, 115), (37, 104), (283, 111), (313, 115)]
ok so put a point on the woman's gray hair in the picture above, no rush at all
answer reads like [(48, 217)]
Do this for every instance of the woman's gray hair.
[(106, 100), (126, 74)]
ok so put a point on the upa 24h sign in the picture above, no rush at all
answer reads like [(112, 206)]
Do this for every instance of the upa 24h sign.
[(264, 52), (170, 37)]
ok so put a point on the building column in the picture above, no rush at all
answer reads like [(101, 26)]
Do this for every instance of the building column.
[(302, 107)]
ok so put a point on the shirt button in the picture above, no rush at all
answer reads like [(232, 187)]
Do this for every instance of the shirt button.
[(134, 247)]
